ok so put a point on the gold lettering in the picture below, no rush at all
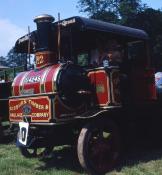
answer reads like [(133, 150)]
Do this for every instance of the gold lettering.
[(33, 104), (39, 59), (43, 114), (46, 107)]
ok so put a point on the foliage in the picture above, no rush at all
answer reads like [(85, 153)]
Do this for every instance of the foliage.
[(3, 61), (15, 59), (118, 11), (100, 9), (128, 10), (150, 20)]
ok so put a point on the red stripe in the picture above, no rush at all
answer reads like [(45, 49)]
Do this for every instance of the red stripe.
[(16, 84)]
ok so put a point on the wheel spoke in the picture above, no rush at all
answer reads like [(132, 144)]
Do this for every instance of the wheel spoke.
[(35, 152)]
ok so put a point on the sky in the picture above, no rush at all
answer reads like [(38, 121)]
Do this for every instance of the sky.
[(17, 15)]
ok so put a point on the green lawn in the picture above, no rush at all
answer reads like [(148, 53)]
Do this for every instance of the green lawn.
[(13, 163), (64, 161)]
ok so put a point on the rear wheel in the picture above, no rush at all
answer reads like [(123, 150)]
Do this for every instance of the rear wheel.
[(99, 146)]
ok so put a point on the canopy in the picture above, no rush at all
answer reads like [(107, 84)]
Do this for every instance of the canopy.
[(83, 24), (100, 26)]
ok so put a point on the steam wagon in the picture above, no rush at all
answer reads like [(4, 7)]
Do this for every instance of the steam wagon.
[(90, 78)]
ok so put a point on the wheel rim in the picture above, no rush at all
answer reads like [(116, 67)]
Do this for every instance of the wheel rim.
[(103, 149)]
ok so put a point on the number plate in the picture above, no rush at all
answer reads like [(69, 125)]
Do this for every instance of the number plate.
[(23, 132)]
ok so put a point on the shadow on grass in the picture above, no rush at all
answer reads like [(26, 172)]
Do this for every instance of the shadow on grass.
[(63, 158), (135, 157)]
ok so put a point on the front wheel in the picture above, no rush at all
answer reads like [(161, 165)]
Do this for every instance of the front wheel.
[(36, 152), (99, 146)]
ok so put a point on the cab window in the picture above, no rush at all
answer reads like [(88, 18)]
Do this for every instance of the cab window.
[(82, 59)]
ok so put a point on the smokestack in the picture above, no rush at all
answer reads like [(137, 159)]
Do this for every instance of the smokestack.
[(44, 32), (45, 41)]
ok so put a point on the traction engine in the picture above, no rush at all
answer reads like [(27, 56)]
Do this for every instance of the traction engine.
[(62, 103)]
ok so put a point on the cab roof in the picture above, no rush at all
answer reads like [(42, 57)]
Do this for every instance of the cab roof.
[(101, 26)]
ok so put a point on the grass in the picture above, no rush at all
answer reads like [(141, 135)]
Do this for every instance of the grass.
[(144, 157), (64, 162)]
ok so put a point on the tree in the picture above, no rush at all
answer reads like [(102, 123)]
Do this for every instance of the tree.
[(117, 11), (128, 10), (16, 59), (106, 10), (3, 61), (150, 20)]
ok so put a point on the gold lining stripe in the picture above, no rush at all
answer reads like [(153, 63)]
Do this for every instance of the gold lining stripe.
[(112, 88), (43, 78), (54, 78), (21, 87)]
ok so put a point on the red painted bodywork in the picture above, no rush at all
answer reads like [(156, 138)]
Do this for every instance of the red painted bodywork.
[(40, 81), (36, 81), (106, 92), (100, 81), (106, 87)]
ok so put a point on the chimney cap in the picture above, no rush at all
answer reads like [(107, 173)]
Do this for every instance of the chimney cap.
[(44, 18)]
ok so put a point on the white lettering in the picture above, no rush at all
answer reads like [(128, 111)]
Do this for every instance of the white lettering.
[(65, 23), (33, 79)]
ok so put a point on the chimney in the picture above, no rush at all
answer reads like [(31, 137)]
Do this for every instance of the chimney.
[(45, 41)]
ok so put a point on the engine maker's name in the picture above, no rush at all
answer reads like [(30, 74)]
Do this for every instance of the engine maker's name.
[(30, 102), (40, 114)]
